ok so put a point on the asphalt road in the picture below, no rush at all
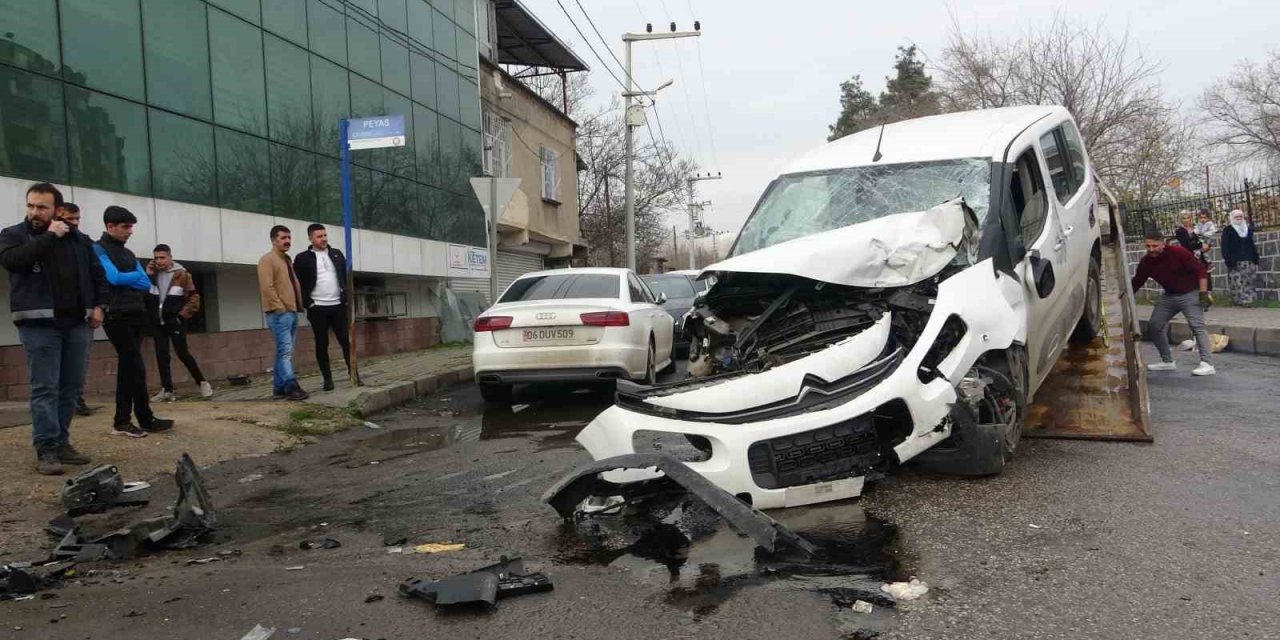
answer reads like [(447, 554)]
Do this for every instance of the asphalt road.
[(1174, 540)]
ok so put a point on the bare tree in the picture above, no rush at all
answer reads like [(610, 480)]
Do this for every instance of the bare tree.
[(1160, 156), (1103, 80), (1243, 110)]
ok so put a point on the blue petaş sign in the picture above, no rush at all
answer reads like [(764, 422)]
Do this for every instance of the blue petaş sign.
[(375, 132)]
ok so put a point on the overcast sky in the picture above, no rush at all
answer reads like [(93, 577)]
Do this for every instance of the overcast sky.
[(771, 70)]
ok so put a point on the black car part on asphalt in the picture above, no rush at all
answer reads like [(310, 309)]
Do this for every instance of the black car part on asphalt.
[(99, 489), (482, 587), (585, 482)]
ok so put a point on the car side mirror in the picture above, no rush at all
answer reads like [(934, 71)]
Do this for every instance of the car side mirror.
[(1042, 274), (662, 298)]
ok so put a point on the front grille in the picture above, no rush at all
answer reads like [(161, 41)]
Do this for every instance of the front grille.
[(844, 450)]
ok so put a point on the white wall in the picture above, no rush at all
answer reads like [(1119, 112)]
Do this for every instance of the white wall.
[(239, 304)]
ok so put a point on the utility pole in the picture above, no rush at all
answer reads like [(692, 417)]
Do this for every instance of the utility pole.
[(692, 206), (635, 118)]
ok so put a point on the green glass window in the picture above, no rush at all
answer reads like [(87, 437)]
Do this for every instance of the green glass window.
[(102, 45), (423, 70), (247, 9), (466, 52), (449, 170), (367, 8), (363, 196), (244, 174), (472, 149), (420, 29), (33, 134), (464, 13), (395, 65), (444, 39), (432, 203), (392, 13), (469, 102), (109, 148), (400, 161), (183, 163), (331, 101), (287, 19), (366, 100), (30, 35), (426, 144), (289, 94), (293, 182), (239, 84), (447, 98), (177, 45), (328, 191), (362, 45), (328, 28), (445, 6)]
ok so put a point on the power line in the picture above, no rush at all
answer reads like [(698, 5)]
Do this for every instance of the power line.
[(605, 42), (706, 102), (593, 49)]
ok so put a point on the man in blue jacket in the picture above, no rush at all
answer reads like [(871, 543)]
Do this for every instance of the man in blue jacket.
[(56, 289), (126, 314)]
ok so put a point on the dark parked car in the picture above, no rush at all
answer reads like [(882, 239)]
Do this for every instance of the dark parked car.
[(680, 290)]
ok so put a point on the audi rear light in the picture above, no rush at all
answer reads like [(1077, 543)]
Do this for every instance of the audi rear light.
[(606, 319), (492, 323)]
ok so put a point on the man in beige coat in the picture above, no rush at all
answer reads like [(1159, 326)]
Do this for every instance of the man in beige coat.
[(281, 301)]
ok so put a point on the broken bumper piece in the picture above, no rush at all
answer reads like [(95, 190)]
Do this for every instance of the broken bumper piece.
[(482, 587), (662, 473)]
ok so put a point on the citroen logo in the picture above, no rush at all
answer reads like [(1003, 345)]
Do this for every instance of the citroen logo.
[(546, 315)]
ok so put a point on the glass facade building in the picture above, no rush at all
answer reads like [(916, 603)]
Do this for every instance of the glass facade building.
[(235, 104)]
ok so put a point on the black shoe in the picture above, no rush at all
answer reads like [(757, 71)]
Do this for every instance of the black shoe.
[(67, 454), (47, 463), (129, 430), (296, 393), (276, 394), (83, 409), (328, 384), (158, 424)]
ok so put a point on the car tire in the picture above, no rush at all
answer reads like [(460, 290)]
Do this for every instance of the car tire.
[(1090, 324), (650, 374), (495, 393)]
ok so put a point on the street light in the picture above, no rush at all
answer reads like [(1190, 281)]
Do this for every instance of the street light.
[(635, 118)]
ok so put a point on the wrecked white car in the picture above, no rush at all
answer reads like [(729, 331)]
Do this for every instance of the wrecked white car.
[(899, 293)]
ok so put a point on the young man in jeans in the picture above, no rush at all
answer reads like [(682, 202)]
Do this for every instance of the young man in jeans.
[(281, 301), (172, 302), (56, 288), (126, 309), (1186, 291), (69, 213), (322, 272)]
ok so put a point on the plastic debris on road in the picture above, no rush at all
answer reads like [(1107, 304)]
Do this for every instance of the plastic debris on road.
[(259, 632), (862, 606), (439, 547), (372, 425), (327, 543), (903, 591)]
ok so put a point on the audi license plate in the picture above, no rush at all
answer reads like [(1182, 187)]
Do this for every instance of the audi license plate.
[(550, 334)]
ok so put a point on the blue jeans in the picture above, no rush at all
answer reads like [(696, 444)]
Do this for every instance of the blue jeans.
[(56, 361), (284, 328)]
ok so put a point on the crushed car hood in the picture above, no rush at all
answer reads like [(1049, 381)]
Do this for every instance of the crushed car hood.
[(892, 251)]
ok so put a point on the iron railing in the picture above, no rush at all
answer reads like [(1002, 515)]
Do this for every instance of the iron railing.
[(1261, 203)]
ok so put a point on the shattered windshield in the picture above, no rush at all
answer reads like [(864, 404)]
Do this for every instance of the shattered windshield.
[(802, 204)]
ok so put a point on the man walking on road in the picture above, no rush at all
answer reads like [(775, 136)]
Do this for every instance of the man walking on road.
[(56, 288), (1186, 291), (69, 213), (281, 301), (173, 301), (126, 312), (322, 272)]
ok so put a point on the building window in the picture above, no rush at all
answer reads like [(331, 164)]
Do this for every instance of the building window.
[(497, 145), (550, 175)]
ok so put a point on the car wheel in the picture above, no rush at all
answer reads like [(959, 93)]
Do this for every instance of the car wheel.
[(1016, 399), (496, 393), (1090, 324), (650, 374)]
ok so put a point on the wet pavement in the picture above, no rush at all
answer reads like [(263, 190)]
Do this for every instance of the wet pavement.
[(1077, 539)]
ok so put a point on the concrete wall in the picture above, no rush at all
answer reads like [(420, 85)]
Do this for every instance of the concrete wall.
[(1268, 282), (536, 123)]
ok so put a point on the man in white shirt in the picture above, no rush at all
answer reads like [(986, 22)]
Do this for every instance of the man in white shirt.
[(322, 272)]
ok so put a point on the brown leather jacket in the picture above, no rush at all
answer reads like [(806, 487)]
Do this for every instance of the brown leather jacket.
[(277, 284), (181, 299)]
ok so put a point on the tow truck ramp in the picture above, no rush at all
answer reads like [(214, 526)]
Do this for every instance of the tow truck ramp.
[(1098, 391)]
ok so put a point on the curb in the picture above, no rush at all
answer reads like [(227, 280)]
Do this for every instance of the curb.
[(371, 402), (1259, 341)]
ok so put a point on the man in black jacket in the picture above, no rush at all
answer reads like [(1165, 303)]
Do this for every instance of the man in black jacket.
[(126, 314), (322, 272), (56, 289), (69, 213)]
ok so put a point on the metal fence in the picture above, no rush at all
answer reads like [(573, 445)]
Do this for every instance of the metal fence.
[(1261, 203)]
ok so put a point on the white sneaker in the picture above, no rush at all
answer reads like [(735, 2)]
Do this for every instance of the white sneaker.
[(1162, 366), (163, 396), (1205, 369), (1187, 345), (206, 389)]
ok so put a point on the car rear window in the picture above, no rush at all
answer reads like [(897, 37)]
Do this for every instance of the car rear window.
[(673, 286), (562, 286)]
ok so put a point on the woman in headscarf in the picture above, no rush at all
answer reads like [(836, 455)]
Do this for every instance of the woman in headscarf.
[(1191, 240), (1241, 256)]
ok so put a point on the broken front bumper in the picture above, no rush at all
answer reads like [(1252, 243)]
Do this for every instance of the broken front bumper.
[(822, 453)]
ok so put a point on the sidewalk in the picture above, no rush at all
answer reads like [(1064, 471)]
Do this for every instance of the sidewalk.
[(388, 381), (1250, 330)]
